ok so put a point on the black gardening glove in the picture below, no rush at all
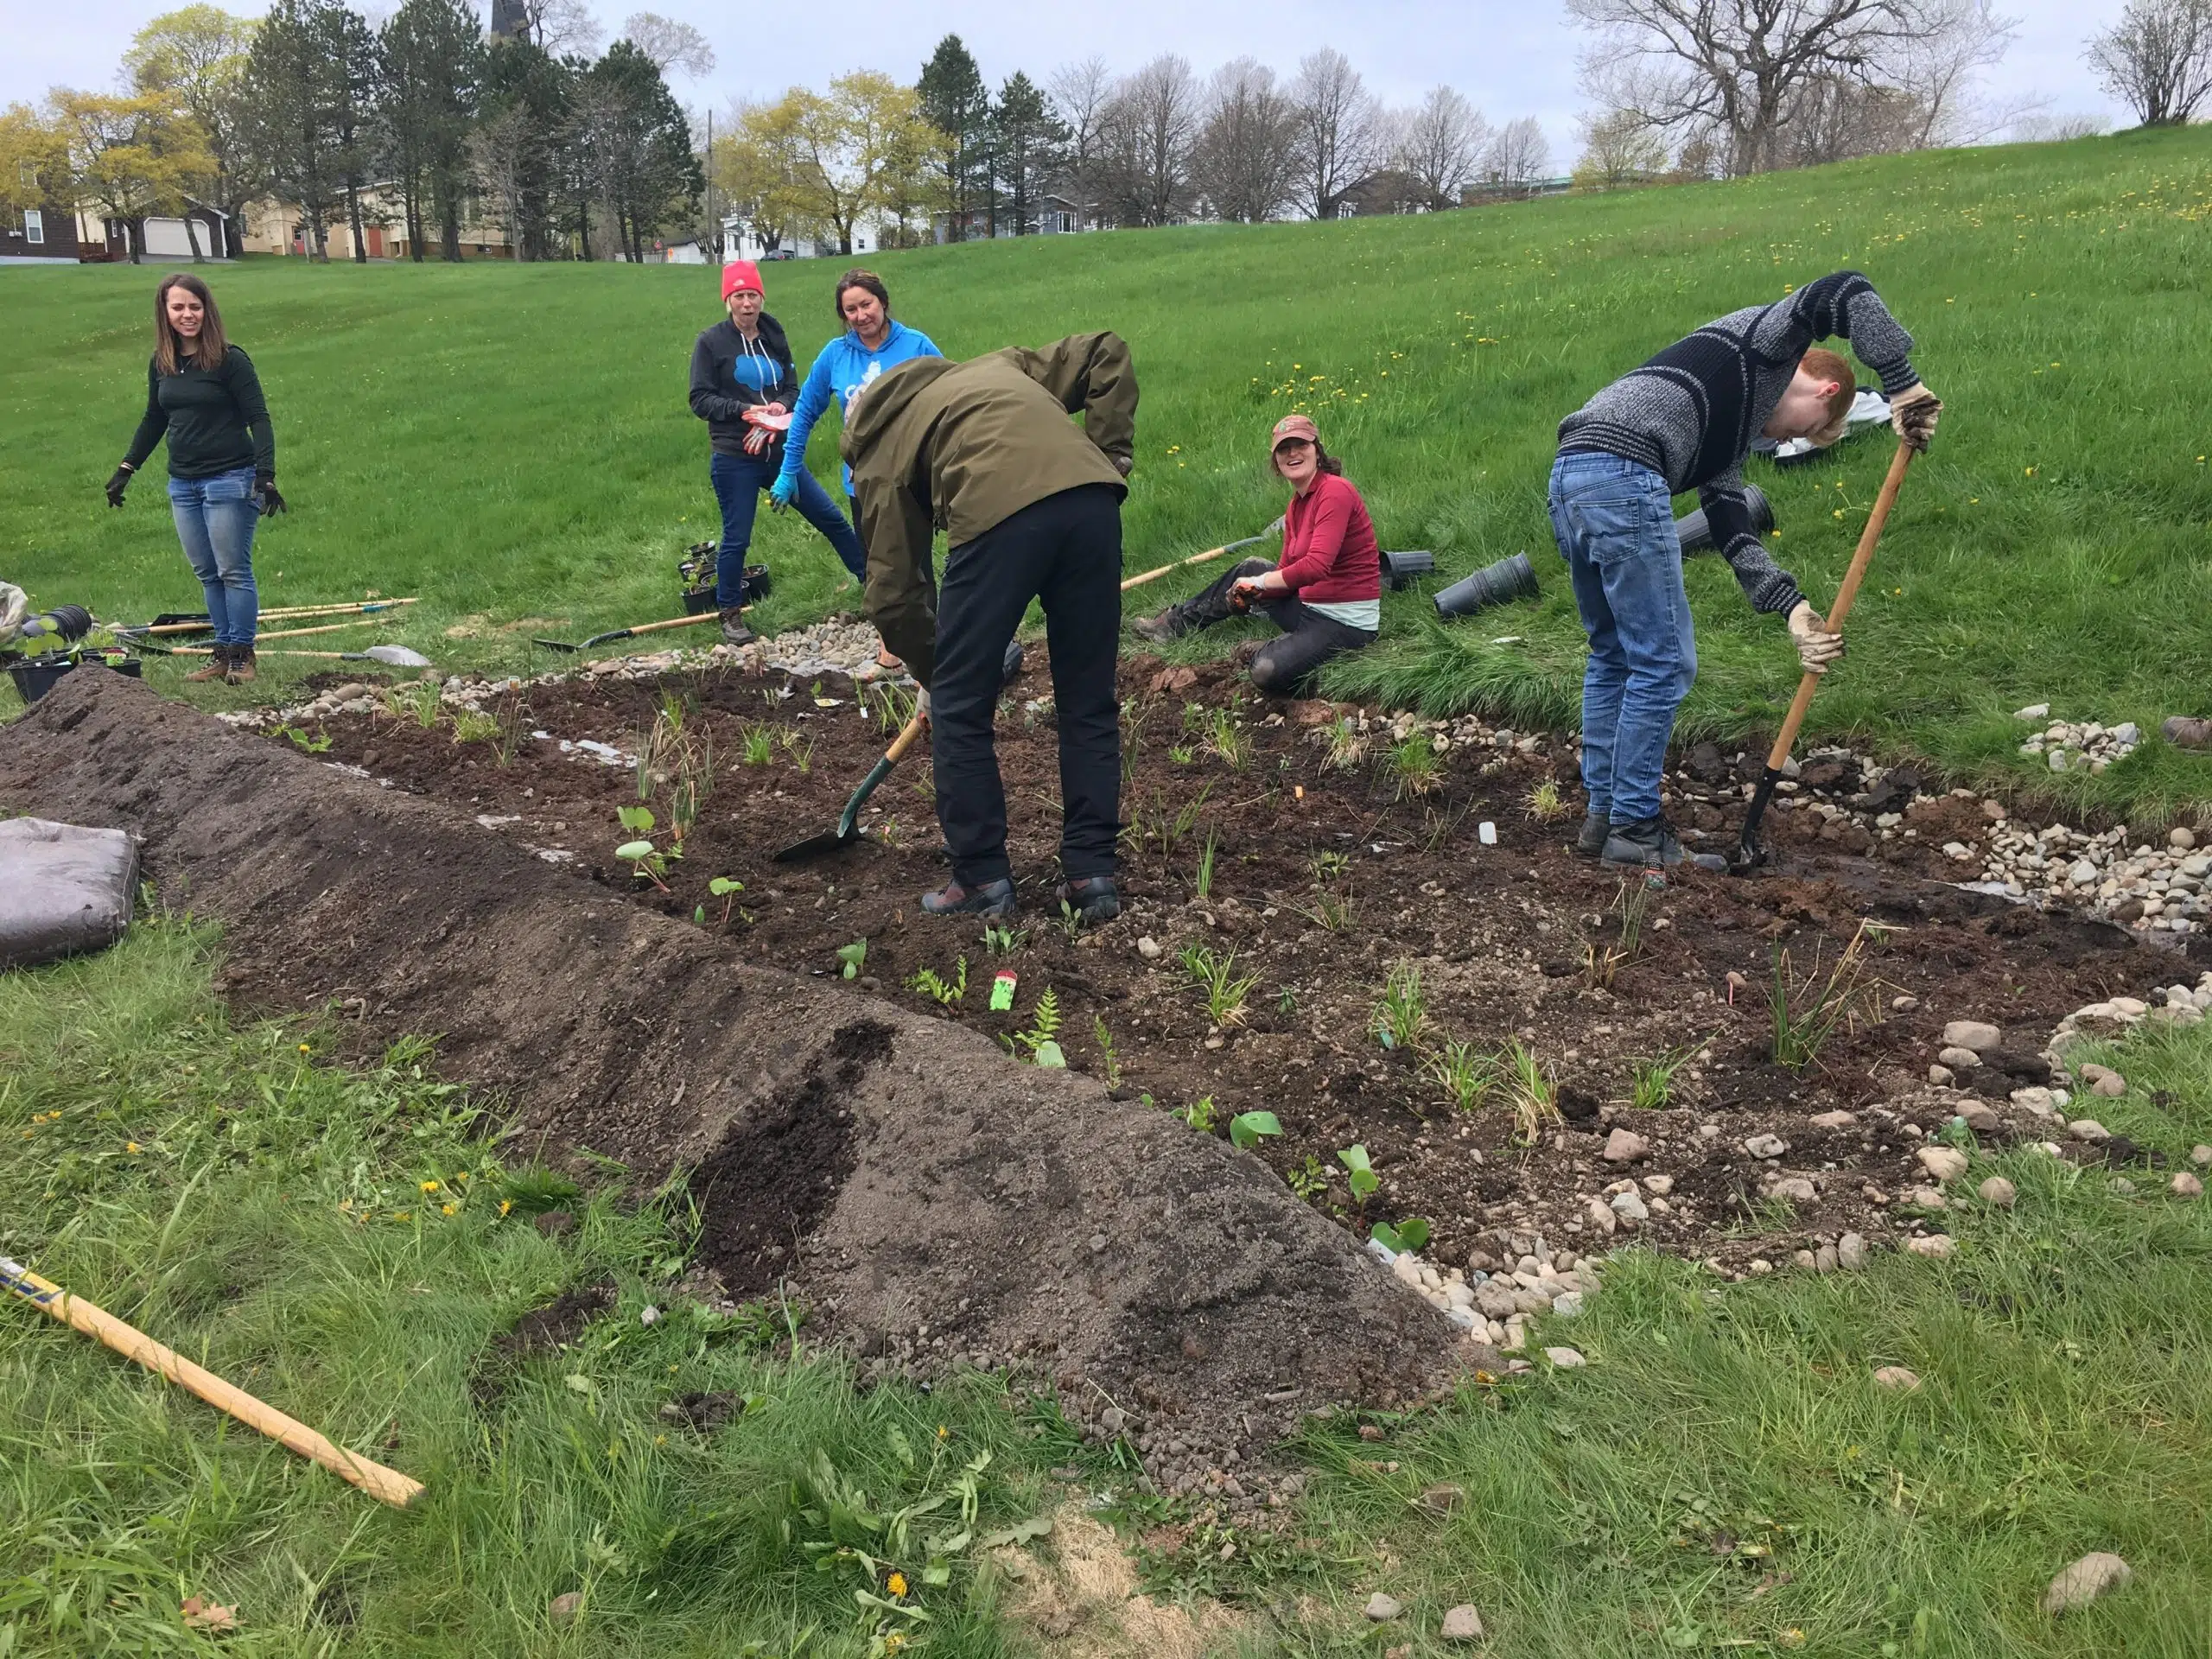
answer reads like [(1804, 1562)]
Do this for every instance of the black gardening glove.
[(265, 497), (118, 481)]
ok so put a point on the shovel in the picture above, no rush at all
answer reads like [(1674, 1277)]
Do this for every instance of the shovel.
[(1750, 853), (397, 656), (1139, 581), (630, 633), (847, 830)]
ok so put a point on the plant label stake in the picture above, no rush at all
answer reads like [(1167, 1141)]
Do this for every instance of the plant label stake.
[(1750, 853), (378, 1481), (1002, 987)]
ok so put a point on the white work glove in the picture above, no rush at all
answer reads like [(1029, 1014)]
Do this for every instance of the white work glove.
[(1912, 414), (1816, 646), (922, 703)]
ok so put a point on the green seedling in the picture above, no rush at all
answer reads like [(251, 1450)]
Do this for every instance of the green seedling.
[(1071, 922), (1041, 1040), (758, 738), (1360, 1172), (1546, 804), (1225, 742), (1329, 868), (1217, 980), (1287, 1001), (852, 955), (1246, 1128), (1416, 765), (1531, 1093), (1462, 1073), (1807, 1013), (1181, 753), (638, 820), (930, 984), (801, 750), (469, 727), (514, 726), (1310, 1179), (1408, 1236), (1402, 1017), (1200, 1114), (726, 890), (1109, 1059), (645, 862), (1205, 867), (314, 745), (1344, 746), (1004, 940)]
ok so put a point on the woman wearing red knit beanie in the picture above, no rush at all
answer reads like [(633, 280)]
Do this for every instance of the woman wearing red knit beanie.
[(1325, 592), (743, 385)]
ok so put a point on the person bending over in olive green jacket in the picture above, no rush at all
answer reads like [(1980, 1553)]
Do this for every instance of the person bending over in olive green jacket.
[(1031, 506)]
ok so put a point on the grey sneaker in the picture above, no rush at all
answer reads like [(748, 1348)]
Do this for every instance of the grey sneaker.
[(1645, 845), (992, 898), (1590, 840)]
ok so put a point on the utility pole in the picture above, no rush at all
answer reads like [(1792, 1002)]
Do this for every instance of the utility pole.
[(713, 225)]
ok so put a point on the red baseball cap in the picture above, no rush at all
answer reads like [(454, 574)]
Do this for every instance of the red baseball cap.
[(1290, 427), (740, 273)]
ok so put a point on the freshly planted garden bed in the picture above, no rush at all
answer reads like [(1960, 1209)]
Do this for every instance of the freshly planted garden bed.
[(1360, 947)]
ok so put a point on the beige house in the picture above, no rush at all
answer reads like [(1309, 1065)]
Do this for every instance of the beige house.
[(278, 228)]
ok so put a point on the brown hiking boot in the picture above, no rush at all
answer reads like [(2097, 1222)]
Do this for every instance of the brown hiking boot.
[(241, 666), (2188, 732), (218, 667), (1167, 625)]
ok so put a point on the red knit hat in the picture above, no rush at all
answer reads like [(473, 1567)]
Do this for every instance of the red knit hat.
[(740, 273), (1293, 426)]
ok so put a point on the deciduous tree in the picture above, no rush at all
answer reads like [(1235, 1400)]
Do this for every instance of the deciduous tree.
[(671, 45), (1151, 127), (1081, 92), (1342, 135), (130, 156), (1440, 146), (1619, 149), (199, 55), (2157, 58), (1244, 164)]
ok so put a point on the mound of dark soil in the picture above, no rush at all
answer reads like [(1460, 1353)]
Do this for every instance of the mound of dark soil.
[(937, 1202)]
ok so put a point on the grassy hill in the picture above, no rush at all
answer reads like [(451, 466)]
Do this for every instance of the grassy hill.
[(513, 442)]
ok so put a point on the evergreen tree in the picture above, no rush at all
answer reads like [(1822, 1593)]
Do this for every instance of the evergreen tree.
[(1030, 146), (955, 102), (431, 64), (516, 148), (647, 173), (293, 133), (349, 48)]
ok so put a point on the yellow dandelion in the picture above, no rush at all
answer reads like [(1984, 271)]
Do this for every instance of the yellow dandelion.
[(943, 1433), (305, 1049), (402, 1215), (505, 1204), (429, 1187), (2030, 472), (896, 1584), (132, 1146), (448, 1209)]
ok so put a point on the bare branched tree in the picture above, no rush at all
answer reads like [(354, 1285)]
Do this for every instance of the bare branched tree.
[(1244, 164), (1342, 134), (1151, 128), (670, 44), (1440, 146), (1738, 71), (1518, 155), (2044, 128), (2157, 58), (556, 26), (1081, 94)]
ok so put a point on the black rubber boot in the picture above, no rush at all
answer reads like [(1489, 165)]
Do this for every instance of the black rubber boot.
[(1094, 898), (734, 632), (992, 898), (1649, 844), (1589, 840)]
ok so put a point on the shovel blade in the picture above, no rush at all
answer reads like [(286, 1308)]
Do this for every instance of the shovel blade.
[(816, 847), (398, 656)]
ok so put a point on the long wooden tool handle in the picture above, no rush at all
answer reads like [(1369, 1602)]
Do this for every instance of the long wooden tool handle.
[(677, 622), (378, 1481), (907, 733), (290, 611), (1140, 579), (1845, 597)]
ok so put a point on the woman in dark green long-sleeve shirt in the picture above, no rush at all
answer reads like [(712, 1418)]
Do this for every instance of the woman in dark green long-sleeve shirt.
[(202, 392)]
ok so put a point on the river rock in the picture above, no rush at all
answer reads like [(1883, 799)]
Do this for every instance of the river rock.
[(1381, 1609), (1625, 1147), (1972, 1033), (2000, 1191), (1944, 1163), (2186, 1186), (1567, 1359), (1897, 1376), (1462, 1623), (1834, 1120), (1766, 1145), (2083, 1582), (1935, 1246), (1851, 1252), (2088, 1130), (1958, 1059)]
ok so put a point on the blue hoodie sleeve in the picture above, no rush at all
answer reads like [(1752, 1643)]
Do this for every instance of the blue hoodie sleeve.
[(813, 398), (924, 345)]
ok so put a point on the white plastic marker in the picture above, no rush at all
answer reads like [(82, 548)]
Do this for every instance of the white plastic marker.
[(1486, 833)]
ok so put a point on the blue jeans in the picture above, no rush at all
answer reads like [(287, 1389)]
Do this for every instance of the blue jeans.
[(215, 519), (1615, 524), (738, 482)]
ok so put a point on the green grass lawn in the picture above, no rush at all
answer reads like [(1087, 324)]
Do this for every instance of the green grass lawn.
[(1723, 1478), (514, 442)]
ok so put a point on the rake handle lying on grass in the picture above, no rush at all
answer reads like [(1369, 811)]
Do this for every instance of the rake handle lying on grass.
[(285, 614), (285, 634), (378, 1481), (1749, 852)]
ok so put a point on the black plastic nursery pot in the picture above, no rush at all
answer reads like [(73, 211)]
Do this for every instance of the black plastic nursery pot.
[(35, 677), (1494, 584), (1402, 570), (1696, 536)]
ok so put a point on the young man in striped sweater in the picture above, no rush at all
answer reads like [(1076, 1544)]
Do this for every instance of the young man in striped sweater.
[(1685, 421)]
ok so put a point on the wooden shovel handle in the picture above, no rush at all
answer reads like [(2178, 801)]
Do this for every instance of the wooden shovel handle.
[(907, 733), (1845, 597), (378, 1481), (678, 622)]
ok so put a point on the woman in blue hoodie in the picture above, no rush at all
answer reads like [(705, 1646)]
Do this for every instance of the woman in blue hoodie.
[(870, 347)]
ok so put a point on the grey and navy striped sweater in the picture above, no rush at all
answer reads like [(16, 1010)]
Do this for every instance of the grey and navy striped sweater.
[(1691, 413)]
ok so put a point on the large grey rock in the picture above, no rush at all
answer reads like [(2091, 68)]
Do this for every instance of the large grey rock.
[(1381, 1609), (1625, 1147), (1974, 1034), (1462, 1623), (2093, 1575)]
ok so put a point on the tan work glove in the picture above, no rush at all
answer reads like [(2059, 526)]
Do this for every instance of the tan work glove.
[(1912, 414), (1816, 646)]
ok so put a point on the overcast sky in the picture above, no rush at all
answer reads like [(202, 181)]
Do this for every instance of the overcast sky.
[(1509, 59)]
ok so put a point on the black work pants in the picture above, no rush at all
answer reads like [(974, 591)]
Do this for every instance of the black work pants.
[(1064, 552), (1284, 667)]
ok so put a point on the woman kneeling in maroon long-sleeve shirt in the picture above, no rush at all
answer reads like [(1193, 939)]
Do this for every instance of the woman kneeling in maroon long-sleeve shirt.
[(1325, 592)]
